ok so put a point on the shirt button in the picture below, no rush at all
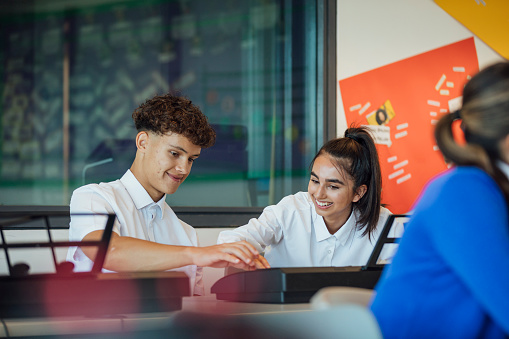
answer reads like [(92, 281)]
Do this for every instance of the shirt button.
[(330, 251)]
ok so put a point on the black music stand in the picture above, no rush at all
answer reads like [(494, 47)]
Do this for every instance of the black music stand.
[(69, 293), (62, 268)]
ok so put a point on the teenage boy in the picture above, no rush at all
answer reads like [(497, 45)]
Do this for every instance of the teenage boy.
[(147, 235)]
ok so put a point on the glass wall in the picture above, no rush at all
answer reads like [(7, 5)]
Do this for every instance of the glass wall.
[(72, 72)]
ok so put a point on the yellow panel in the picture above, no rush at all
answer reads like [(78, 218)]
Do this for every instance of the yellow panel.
[(487, 19)]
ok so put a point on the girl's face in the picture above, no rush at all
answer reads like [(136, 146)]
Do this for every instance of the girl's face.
[(332, 192)]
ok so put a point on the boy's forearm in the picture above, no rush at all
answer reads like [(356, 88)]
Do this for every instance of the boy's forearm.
[(130, 254)]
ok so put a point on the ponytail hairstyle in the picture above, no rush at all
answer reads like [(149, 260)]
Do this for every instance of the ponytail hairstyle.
[(485, 121), (356, 155)]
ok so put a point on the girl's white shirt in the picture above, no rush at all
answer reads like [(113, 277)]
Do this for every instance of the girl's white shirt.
[(292, 234)]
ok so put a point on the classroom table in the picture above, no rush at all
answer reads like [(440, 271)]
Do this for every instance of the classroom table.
[(206, 305)]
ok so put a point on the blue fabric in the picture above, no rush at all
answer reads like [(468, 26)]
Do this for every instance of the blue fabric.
[(450, 276)]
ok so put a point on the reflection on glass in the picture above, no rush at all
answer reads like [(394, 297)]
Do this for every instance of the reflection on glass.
[(250, 65)]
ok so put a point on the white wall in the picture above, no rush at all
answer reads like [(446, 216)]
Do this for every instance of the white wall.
[(374, 33)]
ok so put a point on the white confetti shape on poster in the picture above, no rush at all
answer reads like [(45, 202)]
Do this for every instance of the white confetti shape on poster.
[(455, 104), (381, 134)]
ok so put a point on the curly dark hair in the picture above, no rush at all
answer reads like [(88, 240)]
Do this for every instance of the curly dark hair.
[(173, 113)]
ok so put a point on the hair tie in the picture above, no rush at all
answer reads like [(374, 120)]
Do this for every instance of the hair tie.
[(351, 136), (456, 114)]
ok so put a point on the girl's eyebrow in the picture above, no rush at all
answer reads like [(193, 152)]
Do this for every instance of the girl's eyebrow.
[(337, 181)]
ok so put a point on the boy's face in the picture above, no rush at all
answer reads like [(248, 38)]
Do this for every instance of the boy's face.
[(166, 162)]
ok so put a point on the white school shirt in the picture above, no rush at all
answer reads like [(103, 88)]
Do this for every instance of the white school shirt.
[(292, 234), (138, 216)]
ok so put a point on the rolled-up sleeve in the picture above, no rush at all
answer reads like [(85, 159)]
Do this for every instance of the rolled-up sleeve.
[(88, 213), (259, 232)]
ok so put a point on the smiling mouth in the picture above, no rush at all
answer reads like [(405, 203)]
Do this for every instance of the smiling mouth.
[(175, 178), (323, 204)]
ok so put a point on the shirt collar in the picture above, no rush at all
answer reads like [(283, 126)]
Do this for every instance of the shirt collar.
[(342, 235), (139, 194), (347, 231), (321, 231)]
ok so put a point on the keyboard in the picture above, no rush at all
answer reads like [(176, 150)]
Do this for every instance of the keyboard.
[(290, 284)]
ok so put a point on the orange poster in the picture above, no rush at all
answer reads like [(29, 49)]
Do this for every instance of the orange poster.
[(401, 102)]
